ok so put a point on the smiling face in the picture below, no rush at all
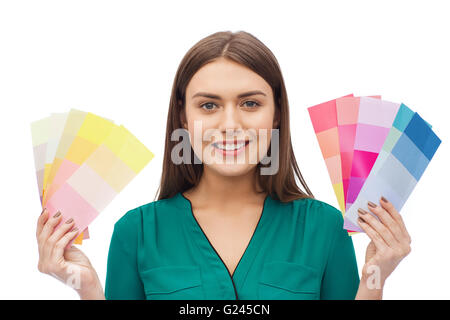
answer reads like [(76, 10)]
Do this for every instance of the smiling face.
[(229, 115)]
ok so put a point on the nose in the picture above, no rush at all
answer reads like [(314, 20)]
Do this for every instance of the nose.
[(230, 119)]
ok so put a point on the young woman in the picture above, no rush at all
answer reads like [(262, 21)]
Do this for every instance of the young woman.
[(240, 229)]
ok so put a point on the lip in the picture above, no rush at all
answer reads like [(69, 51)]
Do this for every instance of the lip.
[(231, 152), (231, 141)]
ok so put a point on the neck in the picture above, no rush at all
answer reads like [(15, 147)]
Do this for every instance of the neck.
[(214, 188)]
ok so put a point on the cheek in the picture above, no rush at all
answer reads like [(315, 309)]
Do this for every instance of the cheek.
[(199, 133), (194, 136), (261, 119), (263, 142), (262, 125)]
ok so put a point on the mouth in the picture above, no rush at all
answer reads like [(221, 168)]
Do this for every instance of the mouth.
[(231, 147)]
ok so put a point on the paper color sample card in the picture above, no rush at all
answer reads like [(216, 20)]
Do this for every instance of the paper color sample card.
[(347, 109), (401, 169), (100, 178), (83, 132), (92, 132), (83, 161), (74, 121), (72, 124), (375, 118), (56, 127), (388, 148), (402, 119), (324, 120), (40, 137)]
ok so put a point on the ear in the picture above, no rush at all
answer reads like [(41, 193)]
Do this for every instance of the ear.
[(276, 120), (182, 114), (183, 121)]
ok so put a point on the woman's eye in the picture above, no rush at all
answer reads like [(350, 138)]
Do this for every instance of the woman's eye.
[(253, 104), (208, 106)]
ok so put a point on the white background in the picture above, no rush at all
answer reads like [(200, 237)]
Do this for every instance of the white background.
[(118, 59)]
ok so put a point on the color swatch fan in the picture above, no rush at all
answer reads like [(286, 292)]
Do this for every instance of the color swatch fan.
[(82, 162), (372, 148)]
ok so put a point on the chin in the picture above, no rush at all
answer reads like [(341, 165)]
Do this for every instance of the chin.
[(232, 170)]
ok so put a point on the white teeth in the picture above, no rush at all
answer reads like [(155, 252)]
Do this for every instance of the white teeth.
[(230, 146)]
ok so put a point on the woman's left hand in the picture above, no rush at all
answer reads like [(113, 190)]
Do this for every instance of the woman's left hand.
[(390, 241)]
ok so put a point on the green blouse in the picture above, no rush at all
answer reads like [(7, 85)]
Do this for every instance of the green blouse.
[(299, 250)]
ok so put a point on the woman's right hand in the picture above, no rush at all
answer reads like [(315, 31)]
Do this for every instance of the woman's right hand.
[(69, 265)]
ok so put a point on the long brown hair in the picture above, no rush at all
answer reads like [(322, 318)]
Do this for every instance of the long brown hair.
[(246, 49)]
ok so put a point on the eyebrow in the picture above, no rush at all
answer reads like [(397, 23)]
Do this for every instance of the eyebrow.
[(213, 96)]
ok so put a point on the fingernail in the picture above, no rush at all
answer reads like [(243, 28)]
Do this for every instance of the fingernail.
[(361, 211), (70, 220), (384, 199), (75, 229), (43, 210), (371, 204), (57, 215)]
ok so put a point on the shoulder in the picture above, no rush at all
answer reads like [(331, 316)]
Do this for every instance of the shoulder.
[(319, 213), (135, 217)]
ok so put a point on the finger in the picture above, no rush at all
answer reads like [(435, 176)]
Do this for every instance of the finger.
[(40, 225), (41, 221), (389, 222), (379, 242), (60, 232), (378, 227), (389, 207), (49, 226), (64, 241)]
